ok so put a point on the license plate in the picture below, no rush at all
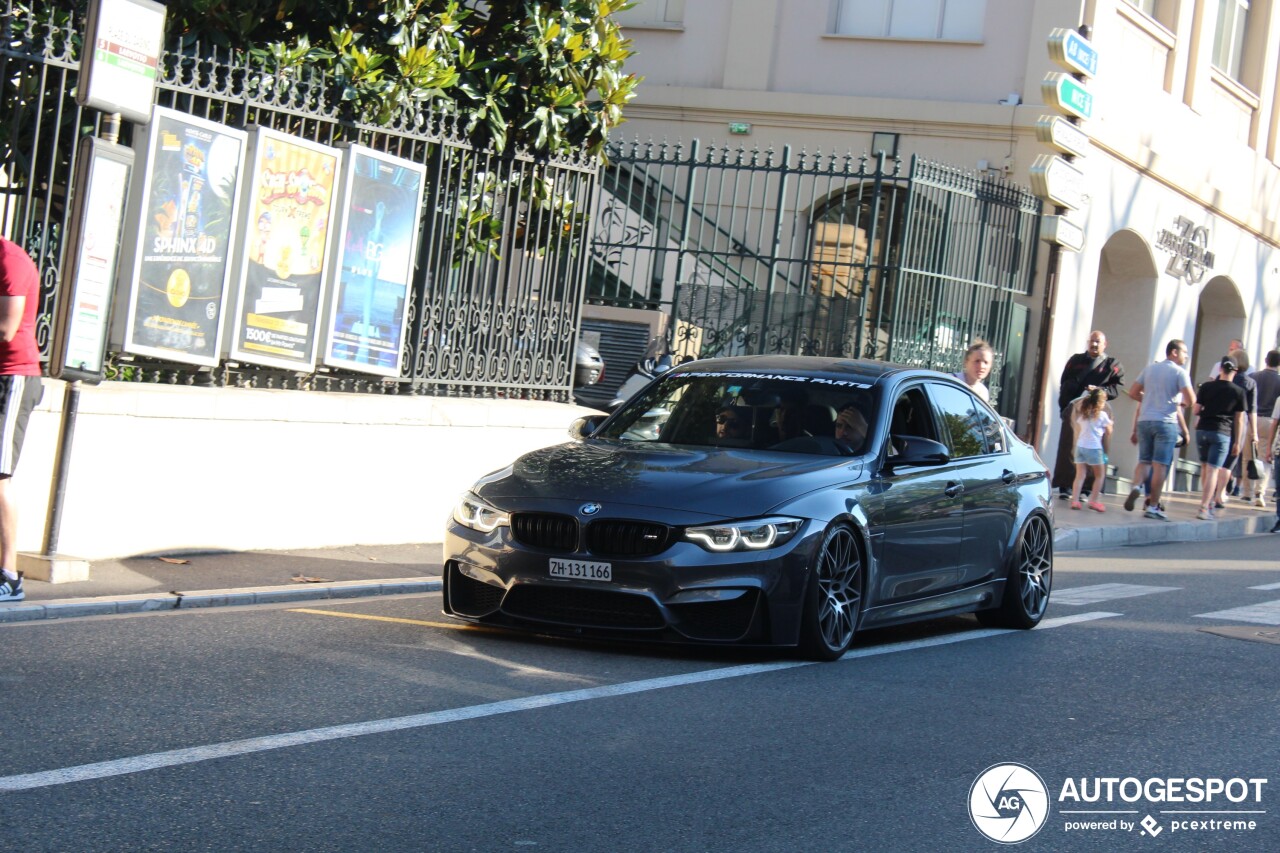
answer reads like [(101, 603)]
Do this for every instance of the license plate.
[(579, 570)]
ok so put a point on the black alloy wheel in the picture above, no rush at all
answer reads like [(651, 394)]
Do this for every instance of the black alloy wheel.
[(833, 600), (1026, 594)]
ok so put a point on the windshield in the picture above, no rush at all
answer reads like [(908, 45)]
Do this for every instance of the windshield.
[(792, 414)]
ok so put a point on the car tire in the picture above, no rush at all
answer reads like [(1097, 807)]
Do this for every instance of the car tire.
[(833, 597), (1026, 592)]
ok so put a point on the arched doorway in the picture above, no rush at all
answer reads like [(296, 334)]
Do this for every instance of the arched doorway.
[(1124, 309), (1220, 318)]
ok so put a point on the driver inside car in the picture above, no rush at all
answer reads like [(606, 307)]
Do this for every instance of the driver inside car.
[(851, 426)]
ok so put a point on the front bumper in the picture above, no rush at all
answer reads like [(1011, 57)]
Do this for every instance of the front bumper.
[(684, 594)]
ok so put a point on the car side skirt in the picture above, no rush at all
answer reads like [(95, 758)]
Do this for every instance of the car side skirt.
[(968, 600)]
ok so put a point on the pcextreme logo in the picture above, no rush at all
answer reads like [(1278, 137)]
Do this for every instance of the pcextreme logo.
[(1009, 803)]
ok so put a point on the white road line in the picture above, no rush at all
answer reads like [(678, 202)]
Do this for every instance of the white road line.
[(1266, 613), (176, 757), (1105, 592), (1267, 586)]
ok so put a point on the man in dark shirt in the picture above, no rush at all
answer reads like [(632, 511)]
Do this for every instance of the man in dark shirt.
[(1230, 483), (1222, 407), (1268, 381), (1092, 368)]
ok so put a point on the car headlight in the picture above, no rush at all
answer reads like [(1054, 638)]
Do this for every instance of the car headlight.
[(472, 512), (755, 535)]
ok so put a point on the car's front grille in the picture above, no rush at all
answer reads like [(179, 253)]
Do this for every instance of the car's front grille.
[(588, 608), (470, 597), (717, 620), (620, 538), (545, 530)]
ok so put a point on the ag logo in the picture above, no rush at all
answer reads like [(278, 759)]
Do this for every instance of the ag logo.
[(1008, 803)]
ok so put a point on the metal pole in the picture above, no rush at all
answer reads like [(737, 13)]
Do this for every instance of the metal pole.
[(1046, 319), (61, 465)]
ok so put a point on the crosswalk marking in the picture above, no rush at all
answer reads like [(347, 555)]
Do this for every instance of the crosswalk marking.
[(1266, 613), (1105, 592), (1267, 586)]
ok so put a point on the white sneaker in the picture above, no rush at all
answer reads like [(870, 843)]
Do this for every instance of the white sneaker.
[(1260, 502), (1155, 512)]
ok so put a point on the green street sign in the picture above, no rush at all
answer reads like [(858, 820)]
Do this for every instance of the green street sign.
[(1067, 95)]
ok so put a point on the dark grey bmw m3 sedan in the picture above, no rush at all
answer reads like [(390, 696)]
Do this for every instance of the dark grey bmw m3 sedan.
[(762, 500)]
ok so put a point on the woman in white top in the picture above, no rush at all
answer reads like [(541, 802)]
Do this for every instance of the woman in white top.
[(977, 364)]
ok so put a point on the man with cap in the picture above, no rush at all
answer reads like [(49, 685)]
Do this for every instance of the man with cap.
[(1222, 408)]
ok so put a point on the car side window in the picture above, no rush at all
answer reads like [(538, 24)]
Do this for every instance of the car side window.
[(991, 429), (911, 416), (962, 421)]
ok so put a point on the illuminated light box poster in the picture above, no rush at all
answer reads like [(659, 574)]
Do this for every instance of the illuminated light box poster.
[(284, 250), (374, 259), (189, 202)]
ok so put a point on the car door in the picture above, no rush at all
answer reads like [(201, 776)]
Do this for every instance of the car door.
[(918, 513), (981, 461)]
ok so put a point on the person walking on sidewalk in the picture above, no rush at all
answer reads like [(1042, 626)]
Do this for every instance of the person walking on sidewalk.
[(1160, 390), (1268, 381), (1092, 368), (1229, 484), (977, 366), (1092, 426), (20, 391), (1221, 405)]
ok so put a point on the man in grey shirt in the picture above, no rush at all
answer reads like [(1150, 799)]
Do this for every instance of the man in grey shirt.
[(1160, 389)]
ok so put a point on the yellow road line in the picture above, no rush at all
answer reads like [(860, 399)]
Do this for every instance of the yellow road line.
[(457, 626)]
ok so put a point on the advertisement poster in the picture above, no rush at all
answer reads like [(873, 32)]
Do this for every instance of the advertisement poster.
[(189, 196), (103, 178), (381, 204), (284, 249)]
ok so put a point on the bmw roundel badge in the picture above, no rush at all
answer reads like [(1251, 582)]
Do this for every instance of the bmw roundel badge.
[(589, 509)]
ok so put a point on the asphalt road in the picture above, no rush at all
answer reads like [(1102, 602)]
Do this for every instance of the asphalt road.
[(380, 725)]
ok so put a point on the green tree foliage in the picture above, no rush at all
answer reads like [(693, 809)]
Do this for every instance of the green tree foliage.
[(545, 76)]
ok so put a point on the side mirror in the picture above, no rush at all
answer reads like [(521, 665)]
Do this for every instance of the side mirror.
[(916, 451), (584, 427)]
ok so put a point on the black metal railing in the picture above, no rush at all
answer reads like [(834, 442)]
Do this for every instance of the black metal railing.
[(819, 254)]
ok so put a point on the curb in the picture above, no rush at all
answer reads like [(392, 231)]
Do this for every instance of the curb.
[(70, 608), (1064, 541), (1155, 532)]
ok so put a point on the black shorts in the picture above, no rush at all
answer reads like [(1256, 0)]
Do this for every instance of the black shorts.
[(18, 396)]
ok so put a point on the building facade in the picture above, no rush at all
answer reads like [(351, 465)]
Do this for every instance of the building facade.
[(1181, 221)]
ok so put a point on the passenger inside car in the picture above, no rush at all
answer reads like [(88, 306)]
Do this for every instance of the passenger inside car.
[(733, 425)]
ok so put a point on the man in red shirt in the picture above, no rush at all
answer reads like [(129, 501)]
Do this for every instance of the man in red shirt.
[(20, 391)]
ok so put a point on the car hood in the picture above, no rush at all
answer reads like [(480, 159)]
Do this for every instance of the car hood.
[(717, 482)]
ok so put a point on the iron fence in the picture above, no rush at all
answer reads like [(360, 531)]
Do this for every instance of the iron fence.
[(496, 295), (772, 252)]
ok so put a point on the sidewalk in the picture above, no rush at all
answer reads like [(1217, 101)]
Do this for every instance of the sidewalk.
[(186, 581)]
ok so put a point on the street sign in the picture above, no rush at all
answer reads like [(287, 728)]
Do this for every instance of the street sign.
[(1066, 94), (1063, 135), (1061, 230), (120, 60), (1073, 52), (1058, 181)]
